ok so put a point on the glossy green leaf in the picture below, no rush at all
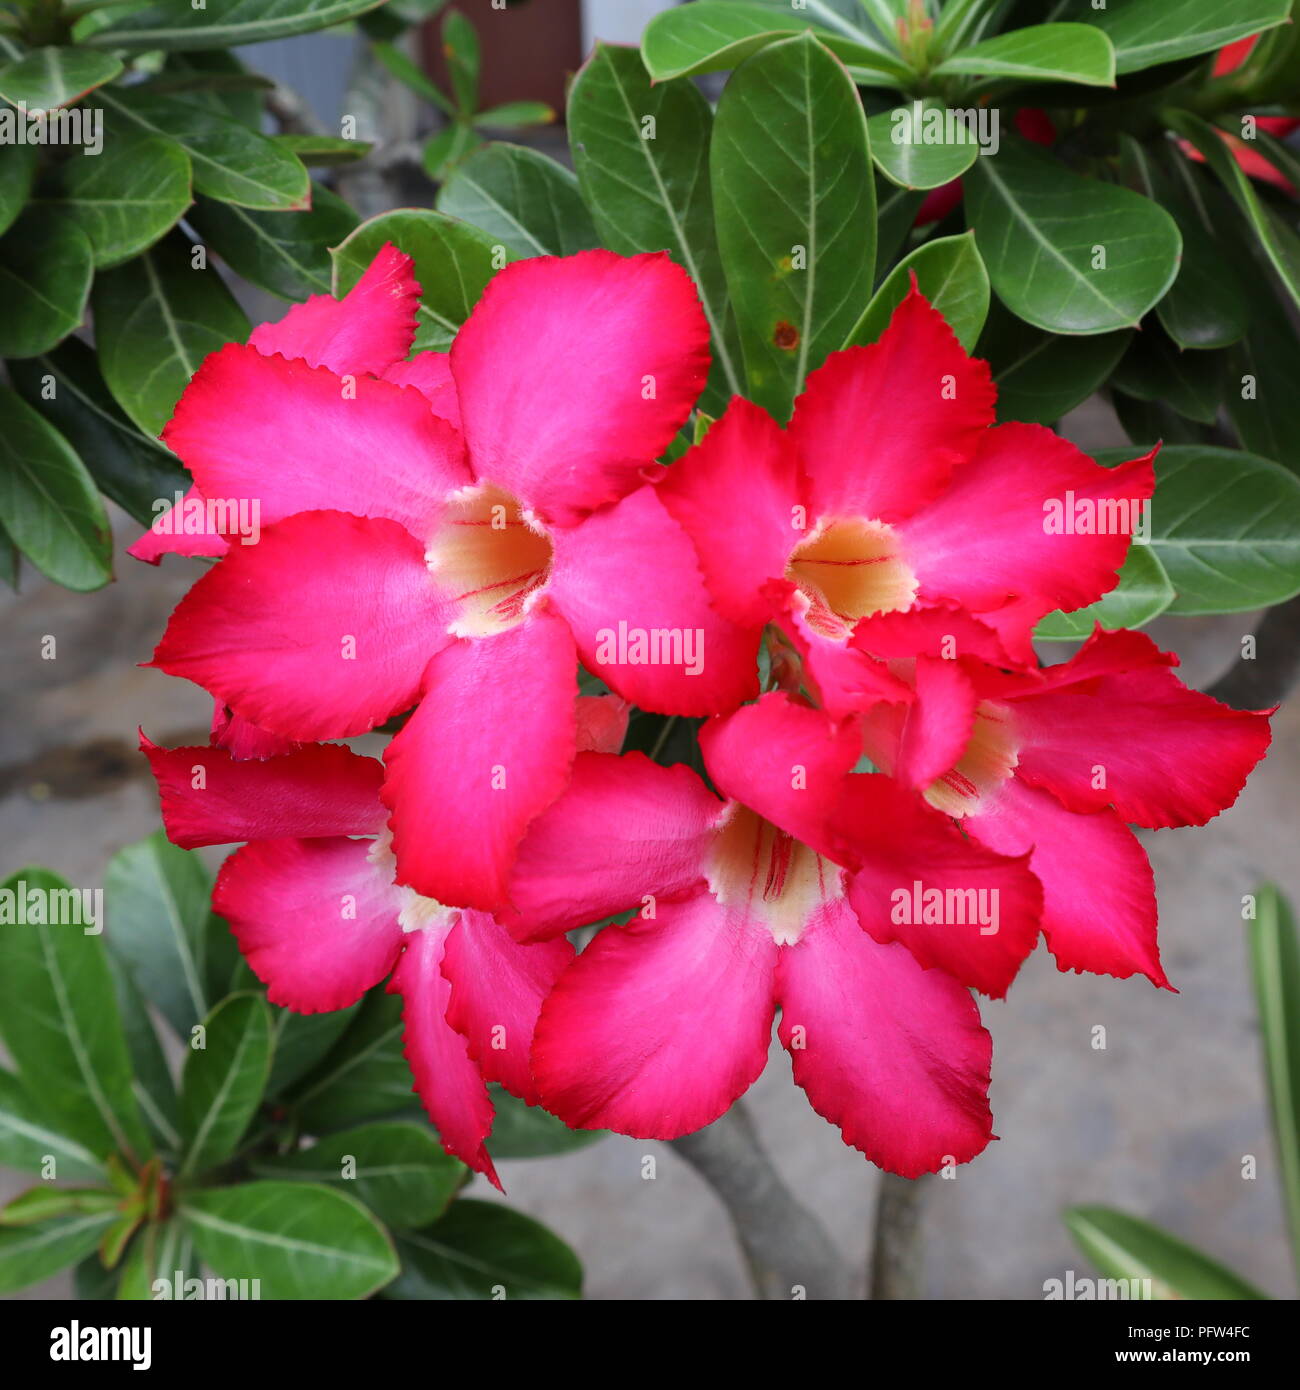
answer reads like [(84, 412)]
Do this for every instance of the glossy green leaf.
[(511, 115), (397, 1169), (709, 35), (156, 318), (157, 897), (1205, 306), (461, 48), (222, 23), (1279, 242), (50, 77), (794, 199), (445, 150), (950, 274), (59, 1022), (1275, 965), (1043, 232), (1042, 376), (223, 1081), (1154, 369), (483, 1250), (66, 387), (1148, 32), (28, 1140), (919, 146), (896, 210), (1042, 53), (363, 1077), (453, 263), (1126, 1247), (1223, 527), (285, 253), (51, 508), (231, 162), (301, 1041), (151, 1077), (45, 1200), (1143, 593), (46, 266), (215, 78), (527, 1131), (29, 1254), (322, 151), (520, 198), (641, 154), (17, 170), (125, 199), (303, 1241)]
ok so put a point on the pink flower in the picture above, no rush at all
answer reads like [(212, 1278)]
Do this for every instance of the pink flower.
[(892, 491), (658, 1026), (1054, 764), (453, 532), (313, 902)]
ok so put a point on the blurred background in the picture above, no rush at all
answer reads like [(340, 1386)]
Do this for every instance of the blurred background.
[(1159, 1122)]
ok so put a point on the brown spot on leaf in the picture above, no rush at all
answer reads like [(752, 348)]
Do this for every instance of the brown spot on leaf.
[(786, 336)]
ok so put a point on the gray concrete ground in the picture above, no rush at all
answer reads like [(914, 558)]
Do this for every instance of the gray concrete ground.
[(1158, 1123)]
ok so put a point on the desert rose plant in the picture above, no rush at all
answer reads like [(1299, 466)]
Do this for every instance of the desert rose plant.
[(689, 534)]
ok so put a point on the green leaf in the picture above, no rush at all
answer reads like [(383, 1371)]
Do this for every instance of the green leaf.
[(1222, 525), (285, 253), (1042, 376), (896, 210), (322, 151), (231, 162), (520, 198), (950, 274), (709, 35), (158, 897), (151, 1081), (156, 319), (27, 1139), (445, 150), (795, 206), (1043, 53), (301, 1041), (66, 387), (222, 23), (527, 1131), (461, 47), (158, 1252), (223, 1081), (1143, 593), (1147, 32), (1275, 965), (51, 509), (483, 1250), (46, 266), (59, 1021), (1126, 1247), (453, 263), (1041, 229), (17, 170), (1278, 241), (52, 77), (1205, 306), (215, 78), (653, 194), (363, 1077), (32, 1253), (398, 1170), (128, 197), (512, 115), (43, 1201), (907, 157), (1154, 369), (303, 1241)]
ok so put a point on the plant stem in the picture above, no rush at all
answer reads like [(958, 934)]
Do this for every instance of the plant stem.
[(786, 1248), (896, 1258)]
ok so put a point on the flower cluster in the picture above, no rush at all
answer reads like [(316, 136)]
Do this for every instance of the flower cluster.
[(899, 798)]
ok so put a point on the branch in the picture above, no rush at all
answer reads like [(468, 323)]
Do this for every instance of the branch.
[(896, 1250), (1265, 681), (784, 1244)]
